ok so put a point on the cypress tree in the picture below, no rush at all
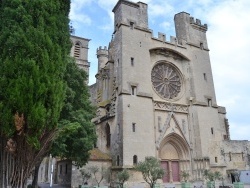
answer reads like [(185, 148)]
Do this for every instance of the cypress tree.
[(34, 45)]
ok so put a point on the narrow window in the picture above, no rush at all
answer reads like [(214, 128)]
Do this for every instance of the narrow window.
[(242, 155), (209, 101), (230, 156), (184, 125), (108, 135), (133, 127), (60, 169), (66, 169), (201, 46), (131, 25), (212, 130), (205, 76), (135, 159), (132, 61), (216, 160), (77, 50), (133, 90), (159, 123), (117, 160), (118, 128)]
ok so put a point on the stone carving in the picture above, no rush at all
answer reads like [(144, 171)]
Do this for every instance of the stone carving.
[(166, 80), (167, 53), (164, 129), (170, 107), (113, 99)]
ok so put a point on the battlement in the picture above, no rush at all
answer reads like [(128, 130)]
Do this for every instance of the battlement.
[(102, 51), (162, 37), (197, 23), (190, 30)]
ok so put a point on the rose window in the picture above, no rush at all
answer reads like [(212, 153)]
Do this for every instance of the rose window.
[(166, 80)]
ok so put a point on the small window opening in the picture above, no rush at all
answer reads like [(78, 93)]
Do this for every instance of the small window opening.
[(117, 160), (201, 46), (135, 159), (60, 169), (209, 101), (205, 76), (131, 25), (133, 90), (108, 135), (230, 156), (133, 127), (212, 130), (132, 61), (216, 160), (118, 128), (242, 155), (140, 44)]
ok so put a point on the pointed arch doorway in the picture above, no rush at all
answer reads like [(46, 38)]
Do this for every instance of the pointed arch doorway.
[(174, 155)]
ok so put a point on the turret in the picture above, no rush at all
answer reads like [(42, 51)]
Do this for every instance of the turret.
[(190, 30), (102, 55), (131, 14)]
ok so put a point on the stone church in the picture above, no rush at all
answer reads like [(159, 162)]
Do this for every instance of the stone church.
[(156, 97)]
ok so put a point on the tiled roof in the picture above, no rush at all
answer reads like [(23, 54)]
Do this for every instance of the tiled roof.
[(96, 155)]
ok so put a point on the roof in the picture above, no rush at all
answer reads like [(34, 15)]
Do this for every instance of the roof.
[(98, 155)]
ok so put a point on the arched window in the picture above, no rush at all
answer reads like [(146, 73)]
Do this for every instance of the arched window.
[(108, 135), (77, 50), (135, 159)]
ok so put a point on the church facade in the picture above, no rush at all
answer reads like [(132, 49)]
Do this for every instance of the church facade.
[(157, 98)]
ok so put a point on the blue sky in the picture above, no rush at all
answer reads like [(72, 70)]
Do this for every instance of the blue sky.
[(228, 38)]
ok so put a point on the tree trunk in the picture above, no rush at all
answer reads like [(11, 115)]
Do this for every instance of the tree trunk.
[(35, 178), (2, 162), (16, 166)]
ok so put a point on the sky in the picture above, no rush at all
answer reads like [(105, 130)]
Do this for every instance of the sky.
[(228, 38)]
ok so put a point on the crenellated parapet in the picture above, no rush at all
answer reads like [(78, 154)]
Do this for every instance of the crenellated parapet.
[(102, 51), (102, 55), (196, 23), (190, 31)]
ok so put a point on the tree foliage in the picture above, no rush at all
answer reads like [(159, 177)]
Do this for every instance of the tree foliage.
[(97, 173), (34, 45), (122, 177), (76, 132), (211, 176), (185, 175), (151, 170)]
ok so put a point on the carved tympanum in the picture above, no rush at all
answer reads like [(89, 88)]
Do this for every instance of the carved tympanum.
[(166, 80)]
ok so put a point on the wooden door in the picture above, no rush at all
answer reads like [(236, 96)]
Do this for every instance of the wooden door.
[(165, 166), (175, 171)]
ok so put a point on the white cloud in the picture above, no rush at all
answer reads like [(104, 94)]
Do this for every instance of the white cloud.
[(229, 42), (77, 15), (107, 5), (239, 131), (165, 25), (160, 9)]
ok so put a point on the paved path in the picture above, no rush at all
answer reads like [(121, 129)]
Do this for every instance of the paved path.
[(46, 185)]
